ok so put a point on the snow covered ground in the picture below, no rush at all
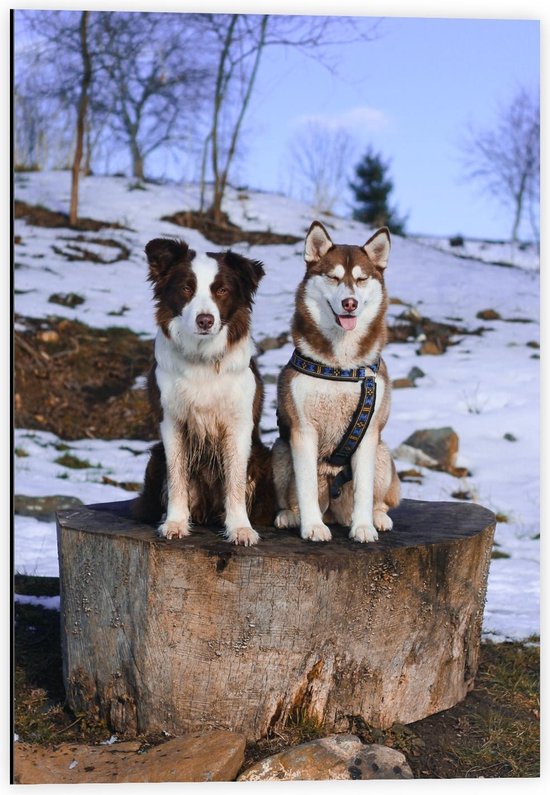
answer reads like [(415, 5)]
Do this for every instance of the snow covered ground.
[(524, 255), (486, 387)]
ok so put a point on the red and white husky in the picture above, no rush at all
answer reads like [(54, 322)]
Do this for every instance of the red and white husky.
[(339, 322), (207, 394)]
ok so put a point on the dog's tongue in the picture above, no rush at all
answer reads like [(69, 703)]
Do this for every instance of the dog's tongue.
[(347, 322)]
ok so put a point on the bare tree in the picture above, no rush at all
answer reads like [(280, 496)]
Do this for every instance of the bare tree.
[(505, 160), (320, 158), (44, 99), (240, 42), (86, 79), (143, 82), (154, 78), (30, 126), (61, 64)]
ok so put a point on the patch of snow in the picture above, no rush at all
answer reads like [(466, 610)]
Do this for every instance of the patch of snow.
[(521, 255), (47, 602), (111, 741)]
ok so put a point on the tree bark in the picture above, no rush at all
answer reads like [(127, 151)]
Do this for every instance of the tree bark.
[(193, 634), (81, 116), (137, 161)]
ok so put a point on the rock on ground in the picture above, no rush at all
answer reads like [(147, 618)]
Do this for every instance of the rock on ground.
[(402, 383), (488, 314), (213, 756), (431, 447), (340, 756), (44, 508)]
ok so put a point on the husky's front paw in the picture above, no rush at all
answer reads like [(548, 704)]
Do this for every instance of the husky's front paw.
[(382, 521), (316, 532), (363, 533), (171, 529), (243, 536), (287, 519)]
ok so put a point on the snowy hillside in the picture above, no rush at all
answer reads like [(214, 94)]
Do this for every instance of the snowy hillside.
[(486, 386), (523, 255)]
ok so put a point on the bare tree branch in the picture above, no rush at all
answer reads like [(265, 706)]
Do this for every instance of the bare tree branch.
[(505, 160), (319, 163)]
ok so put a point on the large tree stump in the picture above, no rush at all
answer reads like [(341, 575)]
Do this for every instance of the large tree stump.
[(196, 633)]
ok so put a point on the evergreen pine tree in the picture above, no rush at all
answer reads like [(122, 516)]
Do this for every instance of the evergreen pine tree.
[(371, 190)]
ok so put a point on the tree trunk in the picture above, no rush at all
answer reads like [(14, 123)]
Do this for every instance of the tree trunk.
[(87, 167), (222, 80), (137, 161), (518, 212), (81, 116), (221, 172), (193, 634)]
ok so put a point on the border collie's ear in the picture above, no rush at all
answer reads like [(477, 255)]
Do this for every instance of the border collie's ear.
[(162, 253), (318, 242), (252, 270), (377, 248)]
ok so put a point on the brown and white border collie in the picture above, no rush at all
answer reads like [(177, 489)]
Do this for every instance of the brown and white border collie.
[(339, 321), (207, 395)]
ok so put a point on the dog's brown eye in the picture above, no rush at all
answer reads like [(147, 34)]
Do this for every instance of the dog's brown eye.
[(362, 280), (187, 291), (221, 291), (334, 279)]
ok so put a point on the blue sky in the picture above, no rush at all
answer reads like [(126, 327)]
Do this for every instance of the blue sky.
[(409, 93)]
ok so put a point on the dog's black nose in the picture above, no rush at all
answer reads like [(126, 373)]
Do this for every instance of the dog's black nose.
[(205, 322), (349, 304)]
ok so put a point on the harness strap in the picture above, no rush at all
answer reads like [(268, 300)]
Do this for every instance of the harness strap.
[(339, 481), (361, 418), (318, 370), (352, 437)]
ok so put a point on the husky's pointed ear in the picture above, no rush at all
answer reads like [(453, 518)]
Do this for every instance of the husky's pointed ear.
[(163, 253), (377, 248), (318, 242)]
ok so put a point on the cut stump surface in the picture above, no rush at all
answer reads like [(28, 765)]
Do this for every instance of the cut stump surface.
[(195, 634)]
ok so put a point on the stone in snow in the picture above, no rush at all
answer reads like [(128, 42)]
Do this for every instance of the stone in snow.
[(435, 448)]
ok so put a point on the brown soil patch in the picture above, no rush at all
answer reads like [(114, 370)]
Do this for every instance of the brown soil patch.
[(36, 215), (78, 253), (77, 381), (226, 233)]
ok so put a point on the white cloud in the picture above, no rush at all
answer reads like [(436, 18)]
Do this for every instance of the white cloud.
[(353, 120)]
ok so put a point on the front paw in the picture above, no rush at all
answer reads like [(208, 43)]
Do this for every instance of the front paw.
[(243, 536), (287, 518), (382, 521), (316, 532), (363, 533), (171, 529)]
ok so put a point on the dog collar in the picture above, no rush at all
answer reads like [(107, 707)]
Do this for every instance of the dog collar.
[(319, 370)]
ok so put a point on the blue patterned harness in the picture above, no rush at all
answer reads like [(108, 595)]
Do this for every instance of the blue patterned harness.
[(361, 418)]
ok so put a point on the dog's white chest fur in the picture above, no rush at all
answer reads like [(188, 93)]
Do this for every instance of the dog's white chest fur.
[(194, 388), (328, 406)]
